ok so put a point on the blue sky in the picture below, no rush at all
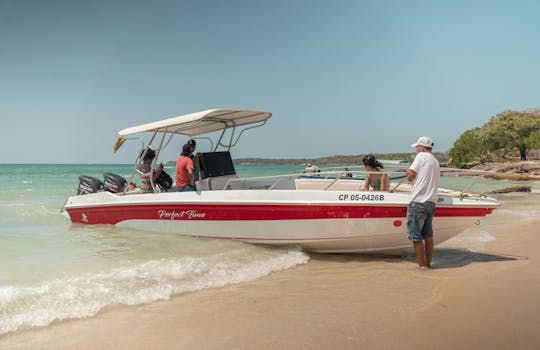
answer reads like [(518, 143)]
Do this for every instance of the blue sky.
[(340, 77)]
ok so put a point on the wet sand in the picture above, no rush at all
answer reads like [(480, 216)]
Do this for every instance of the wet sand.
[(482, 294)]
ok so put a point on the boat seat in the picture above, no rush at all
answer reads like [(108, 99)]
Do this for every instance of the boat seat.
[(335, 185), (219, 183)]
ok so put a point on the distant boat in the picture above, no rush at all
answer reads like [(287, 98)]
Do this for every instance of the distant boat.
[(394, 161)]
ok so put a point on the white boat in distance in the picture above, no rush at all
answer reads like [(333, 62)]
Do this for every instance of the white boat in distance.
[(320, 214)]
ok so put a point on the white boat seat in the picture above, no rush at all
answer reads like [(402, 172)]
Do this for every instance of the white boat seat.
[(335, 185), (219, 183)]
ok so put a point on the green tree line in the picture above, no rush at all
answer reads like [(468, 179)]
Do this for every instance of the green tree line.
[(506, 133)]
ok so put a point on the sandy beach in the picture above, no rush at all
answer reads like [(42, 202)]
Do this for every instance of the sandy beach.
[(482, 294)]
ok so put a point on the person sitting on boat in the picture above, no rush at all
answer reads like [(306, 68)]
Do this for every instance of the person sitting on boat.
[(374, 181), (312, 169), (185, 171), (347, 173), (148, 156)]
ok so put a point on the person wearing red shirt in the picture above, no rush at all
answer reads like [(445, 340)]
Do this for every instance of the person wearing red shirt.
[(185, 171)]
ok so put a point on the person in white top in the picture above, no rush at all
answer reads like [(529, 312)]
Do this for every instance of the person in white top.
[(425, 174), (312, 169)]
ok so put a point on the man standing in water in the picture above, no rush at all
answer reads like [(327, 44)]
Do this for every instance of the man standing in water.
[(425, 175)]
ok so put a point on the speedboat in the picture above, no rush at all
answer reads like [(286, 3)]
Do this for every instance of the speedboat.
[(324, 214)]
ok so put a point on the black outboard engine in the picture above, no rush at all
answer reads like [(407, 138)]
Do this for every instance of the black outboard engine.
[(114, 183), (89, 184)]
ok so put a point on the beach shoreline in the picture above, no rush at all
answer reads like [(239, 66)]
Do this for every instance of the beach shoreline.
[(525, 171), (483, 297)]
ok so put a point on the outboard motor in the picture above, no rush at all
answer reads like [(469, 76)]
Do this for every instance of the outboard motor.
[(89, 184), (114, 183)]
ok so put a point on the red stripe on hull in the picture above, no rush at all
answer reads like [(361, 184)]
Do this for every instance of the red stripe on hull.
[(115, 214)]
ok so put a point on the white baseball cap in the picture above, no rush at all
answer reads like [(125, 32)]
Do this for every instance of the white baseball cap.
[(423, 141)]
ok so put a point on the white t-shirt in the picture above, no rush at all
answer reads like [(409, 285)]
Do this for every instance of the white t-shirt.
[(311, 169), (426, 183)]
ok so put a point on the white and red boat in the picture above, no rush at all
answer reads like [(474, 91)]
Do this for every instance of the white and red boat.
[(319, 214)]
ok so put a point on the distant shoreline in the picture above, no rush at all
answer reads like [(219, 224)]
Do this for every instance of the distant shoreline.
[(334, 160), (512, 170)]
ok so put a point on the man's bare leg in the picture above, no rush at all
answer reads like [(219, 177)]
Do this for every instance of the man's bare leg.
[(429, 251), (419, 250)]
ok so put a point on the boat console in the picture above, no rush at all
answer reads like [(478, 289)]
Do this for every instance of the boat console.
[(213, 170), (213, 164)]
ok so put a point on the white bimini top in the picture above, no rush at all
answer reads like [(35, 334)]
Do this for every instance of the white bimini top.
[(201, 122)]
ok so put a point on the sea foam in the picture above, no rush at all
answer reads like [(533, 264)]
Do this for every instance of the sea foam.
[(23, 307)]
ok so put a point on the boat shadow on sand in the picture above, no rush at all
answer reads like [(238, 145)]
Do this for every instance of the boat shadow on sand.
[(444, 258)]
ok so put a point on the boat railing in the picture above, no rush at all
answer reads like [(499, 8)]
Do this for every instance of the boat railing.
[(476, 174), (398, 180), (273, 181)]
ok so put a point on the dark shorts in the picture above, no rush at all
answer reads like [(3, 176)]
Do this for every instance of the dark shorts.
[(187, 188), (420, 220)]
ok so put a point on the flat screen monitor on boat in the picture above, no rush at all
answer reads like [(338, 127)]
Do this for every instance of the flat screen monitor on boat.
[(214, 164)]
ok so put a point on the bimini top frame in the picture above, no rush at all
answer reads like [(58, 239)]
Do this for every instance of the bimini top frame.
[(194, 124)]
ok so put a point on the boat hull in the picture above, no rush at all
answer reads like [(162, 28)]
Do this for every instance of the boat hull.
[(322, 221)]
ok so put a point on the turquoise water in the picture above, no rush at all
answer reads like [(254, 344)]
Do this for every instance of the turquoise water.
[(51, 270)]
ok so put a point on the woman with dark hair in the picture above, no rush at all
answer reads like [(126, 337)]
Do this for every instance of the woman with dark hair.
[(193, 144), (374, 181), (147, 155), (185, 171)]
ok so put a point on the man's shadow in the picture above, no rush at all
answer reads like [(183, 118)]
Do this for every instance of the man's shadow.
[(448, 258)]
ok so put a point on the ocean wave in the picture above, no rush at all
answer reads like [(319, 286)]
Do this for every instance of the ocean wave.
[(12, 205), (483, 237), (470, 239), (25, 307), (39, 211), (20, 213), (523, 213)]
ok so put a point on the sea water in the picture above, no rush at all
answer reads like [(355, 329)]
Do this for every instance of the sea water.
[(52, 270)]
